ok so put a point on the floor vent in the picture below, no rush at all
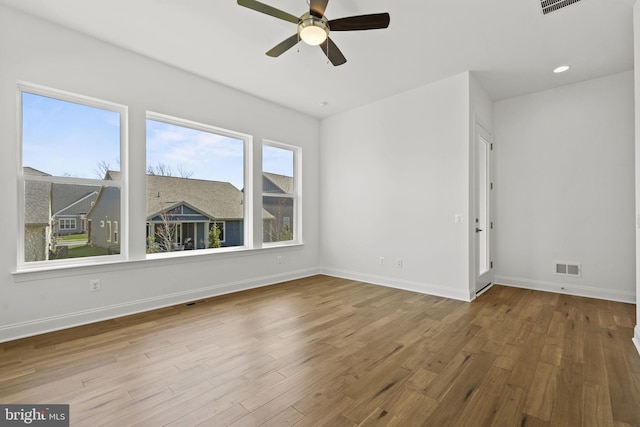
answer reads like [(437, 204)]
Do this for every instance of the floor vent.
[(549, 6), (568, 269), (192, 303)]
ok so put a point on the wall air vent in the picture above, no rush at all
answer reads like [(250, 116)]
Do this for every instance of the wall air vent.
[(568, 269), (549, 6)]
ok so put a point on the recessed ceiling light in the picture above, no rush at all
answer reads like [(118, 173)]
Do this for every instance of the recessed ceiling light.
[(561, 69)]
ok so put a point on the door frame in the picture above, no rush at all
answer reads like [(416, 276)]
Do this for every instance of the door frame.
[(481, 281)]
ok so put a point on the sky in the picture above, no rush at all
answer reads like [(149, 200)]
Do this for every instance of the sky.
[(67, 139)]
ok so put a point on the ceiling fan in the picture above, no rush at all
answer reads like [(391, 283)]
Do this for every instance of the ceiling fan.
[(314, 27)]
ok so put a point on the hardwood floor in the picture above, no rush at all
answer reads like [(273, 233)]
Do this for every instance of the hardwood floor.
[(327, 351)]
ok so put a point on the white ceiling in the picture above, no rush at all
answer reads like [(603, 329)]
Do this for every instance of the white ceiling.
[(509, 44)]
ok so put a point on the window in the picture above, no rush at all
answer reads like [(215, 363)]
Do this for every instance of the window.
[(279, 192), (195, 180), (70, 145), (73, 178), (66, 224)]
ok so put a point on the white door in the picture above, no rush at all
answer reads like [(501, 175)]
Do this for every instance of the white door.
[(482, 221)]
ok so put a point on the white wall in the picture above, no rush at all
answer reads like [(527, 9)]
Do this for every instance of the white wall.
[(40, 53), (565, 188), (636, 36), (480, 104), (394, 175)]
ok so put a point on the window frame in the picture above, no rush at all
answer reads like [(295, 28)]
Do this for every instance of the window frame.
[(109, 231), (65, 221), (252, 205), (22, 179), (247, 174), (296, 196)]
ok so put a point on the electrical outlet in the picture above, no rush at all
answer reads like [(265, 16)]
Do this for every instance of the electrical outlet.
[(381, 260), (399, 263), (279, 260), (94, 285)]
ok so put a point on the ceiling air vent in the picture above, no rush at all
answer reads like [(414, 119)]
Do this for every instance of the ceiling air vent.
[(549, 6)]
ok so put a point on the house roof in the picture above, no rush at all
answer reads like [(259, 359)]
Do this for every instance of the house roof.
[(67, 198), (218, 200), (36, 200), (283, 182), (28, 170)]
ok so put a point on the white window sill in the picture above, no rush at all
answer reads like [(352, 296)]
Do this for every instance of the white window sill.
[(25, 274)]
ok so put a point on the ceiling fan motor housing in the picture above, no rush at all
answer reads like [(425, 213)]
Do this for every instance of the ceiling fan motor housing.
[(314, 27), (313, 30)]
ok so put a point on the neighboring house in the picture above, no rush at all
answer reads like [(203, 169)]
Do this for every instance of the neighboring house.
[(281, 227), (53, 210), (195, 205), (71, 203), (103, 220), (190, 206), (37, 209)]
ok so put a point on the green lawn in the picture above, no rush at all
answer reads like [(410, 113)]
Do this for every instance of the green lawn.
[(72, 237), (85, 251)]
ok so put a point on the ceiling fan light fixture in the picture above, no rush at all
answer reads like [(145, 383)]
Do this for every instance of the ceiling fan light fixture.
[(314, 27), (312, 30)]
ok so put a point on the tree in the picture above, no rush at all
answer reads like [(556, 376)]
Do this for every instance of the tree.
[(101, 169), (162, 169), (184, 173), (286, 233), (166, 230), (214, 236), (152, 246), (277, 229)]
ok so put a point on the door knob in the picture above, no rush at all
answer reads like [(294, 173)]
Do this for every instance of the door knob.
[(478, 230)]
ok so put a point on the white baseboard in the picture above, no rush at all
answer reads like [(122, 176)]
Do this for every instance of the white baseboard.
[(636, 338), (485, 289), (569, 289), (423, 288), (70, 320)]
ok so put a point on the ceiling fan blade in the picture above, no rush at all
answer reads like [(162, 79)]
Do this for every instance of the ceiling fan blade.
[(333, 53), (363, 22), (318, 7), (284, 46), (269, 10)]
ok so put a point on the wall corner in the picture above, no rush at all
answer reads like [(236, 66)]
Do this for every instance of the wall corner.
[(636, 39)]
